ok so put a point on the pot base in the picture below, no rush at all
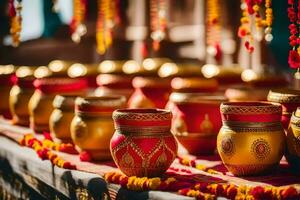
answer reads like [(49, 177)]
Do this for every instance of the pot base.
[(251, 169)]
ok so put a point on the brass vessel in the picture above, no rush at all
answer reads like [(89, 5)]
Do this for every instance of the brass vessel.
[(7, 73), (251, 140), (293, 141), (92, 127), (61, 117), (20, 95), (40, 104)]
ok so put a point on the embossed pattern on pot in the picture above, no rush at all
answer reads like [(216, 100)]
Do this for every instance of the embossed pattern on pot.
[(251, 130)]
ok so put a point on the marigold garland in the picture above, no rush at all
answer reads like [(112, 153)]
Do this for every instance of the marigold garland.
[(213, 32), (108, 17), (78, 28), (192, 163), (294, 17), (251, 13), (158, 22), (205, 191), (15, 21), (43, 149)]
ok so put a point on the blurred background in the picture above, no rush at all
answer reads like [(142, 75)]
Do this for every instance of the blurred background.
[(46, 34)]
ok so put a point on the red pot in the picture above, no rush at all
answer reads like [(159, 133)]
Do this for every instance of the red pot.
[(150, 92), (143, 145), (196, 120), (112, 84), (289, 99)]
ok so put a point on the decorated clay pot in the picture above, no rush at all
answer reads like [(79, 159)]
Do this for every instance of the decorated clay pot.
[(289, 99), (92, 127), (251, 140), (61, 117), (293, 141), (20, 95), (112, 84), (143, 145), (40, 104), (196, 120), (194, 84), (7, 78), (150, 92)]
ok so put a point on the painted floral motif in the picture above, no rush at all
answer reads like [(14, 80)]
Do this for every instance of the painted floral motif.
[(261, 149)]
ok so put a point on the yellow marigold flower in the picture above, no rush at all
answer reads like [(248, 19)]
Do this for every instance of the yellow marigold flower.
[(154, 183), (170, 180), (201, 167), (269, 11), (256, 8)]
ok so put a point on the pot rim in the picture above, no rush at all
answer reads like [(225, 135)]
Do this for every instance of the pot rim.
[(180, 83), (95, 104), (141, 114), (284, 95), (180, 97), (250, 107)]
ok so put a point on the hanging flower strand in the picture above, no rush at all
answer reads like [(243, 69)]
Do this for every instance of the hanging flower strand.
[(251, 13), (213, 33), (158, 22), (108, 17), (15, 21), (294, 17), (78, 28)]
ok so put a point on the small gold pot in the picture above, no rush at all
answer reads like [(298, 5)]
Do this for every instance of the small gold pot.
[(40, 104), (293, 141), (92, 127), (61, 117), (20, 95), (7, 76), (251, 140)]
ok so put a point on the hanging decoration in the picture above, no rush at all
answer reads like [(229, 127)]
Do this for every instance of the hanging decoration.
[(213, 33), (78, 28), (294, 17), (252, 11), (108, 17), (158, 22), (15, 8)]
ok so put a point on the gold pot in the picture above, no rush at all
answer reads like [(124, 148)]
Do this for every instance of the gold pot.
[(92, 127), (7, 73), (40, 104), (293, 141), (20, 95), (251, 140), (61, 117)]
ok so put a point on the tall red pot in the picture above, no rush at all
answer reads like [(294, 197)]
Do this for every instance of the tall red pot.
[(150, 92), (196, 120)]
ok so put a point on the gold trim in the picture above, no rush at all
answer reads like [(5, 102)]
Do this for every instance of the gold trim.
[(251, 124), (142, 114), (251, 107), (284, 96)]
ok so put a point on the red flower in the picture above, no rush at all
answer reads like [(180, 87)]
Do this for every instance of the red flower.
[(294, 59), (85, 156), (289, 193)]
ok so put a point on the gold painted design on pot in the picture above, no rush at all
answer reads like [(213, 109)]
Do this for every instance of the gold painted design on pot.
[(284, 96)]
